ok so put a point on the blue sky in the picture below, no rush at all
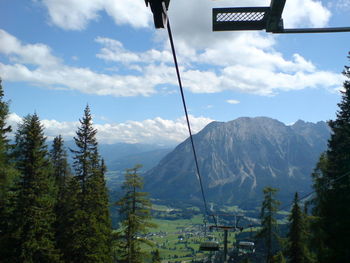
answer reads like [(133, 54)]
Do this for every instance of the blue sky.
[(58, 55)]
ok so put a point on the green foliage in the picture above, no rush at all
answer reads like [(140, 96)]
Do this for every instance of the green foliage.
[(61, 175), (46, 214), (317, 241), (61, 171), (4, 145), (88, 230), (135, 211), (156, 257), (269, 230), (35, 204), (246, 260), (297, 250), (86, 156), (7, 178), (332, 209), (278, 258)]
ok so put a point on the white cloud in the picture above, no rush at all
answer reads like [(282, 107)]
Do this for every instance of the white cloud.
[(343, 4), (47, 70), (245, 61), (195, 25), (258, 68), (233, 101), (81, 79), (252, 66), (305, 13), (150, 131), (13, 120), (34, 54), (339, 5), (76, 14), (113, 50), (190, 24), (251, 80), (157, 130)]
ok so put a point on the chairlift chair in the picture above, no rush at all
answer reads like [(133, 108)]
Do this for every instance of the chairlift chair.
[(209, 246), (246, 247)]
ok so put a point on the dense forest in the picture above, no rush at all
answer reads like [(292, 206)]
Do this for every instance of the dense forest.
[(51, 211)]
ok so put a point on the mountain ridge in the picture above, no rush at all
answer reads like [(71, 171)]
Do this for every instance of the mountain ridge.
[(240, 157)]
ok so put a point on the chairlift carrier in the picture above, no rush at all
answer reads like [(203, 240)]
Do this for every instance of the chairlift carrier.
[(209, 246)]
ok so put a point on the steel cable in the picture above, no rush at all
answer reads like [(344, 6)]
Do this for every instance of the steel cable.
[(187, 119)]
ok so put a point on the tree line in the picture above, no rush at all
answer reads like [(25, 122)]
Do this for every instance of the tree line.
[(51, 212), (319, 230)]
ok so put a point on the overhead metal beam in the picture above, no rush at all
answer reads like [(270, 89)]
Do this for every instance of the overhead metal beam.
[(315, 30)]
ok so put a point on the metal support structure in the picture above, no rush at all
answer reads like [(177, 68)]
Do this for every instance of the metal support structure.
[(275, 21), (225, 245), (260, 18), (316, 30), (226, 229)]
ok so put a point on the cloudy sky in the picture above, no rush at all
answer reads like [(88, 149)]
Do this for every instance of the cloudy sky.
[(57, 56)]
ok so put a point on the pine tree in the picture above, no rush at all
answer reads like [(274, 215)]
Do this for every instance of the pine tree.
[(61, 170), (69, 239), (4, 145), (333, 197), (86, 157), (135, 211), (89, 229), (61, 175), (99, 206), (269, 228), (297, 250), (8, 175), (36, 200), (317, 232)]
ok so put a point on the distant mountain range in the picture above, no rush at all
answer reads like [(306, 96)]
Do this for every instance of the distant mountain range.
[(121, 156), (237, 159)]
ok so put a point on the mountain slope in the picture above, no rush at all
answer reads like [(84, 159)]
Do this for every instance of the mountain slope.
[(239, 158)]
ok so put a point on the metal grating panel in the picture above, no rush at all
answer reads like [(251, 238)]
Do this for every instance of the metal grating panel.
[(240, 18)]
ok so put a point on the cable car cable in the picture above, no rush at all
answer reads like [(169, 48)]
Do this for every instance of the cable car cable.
[(187, 118), (310, 193)]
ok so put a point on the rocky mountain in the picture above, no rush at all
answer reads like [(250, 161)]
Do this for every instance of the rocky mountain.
[(238, 159)]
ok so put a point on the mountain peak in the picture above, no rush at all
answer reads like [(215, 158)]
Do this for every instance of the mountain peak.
[(239, 158)]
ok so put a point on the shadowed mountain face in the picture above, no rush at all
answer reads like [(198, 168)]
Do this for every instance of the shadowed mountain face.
[(237, 159)]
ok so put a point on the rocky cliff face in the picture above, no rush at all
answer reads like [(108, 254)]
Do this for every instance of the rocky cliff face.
[(238, 159)]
